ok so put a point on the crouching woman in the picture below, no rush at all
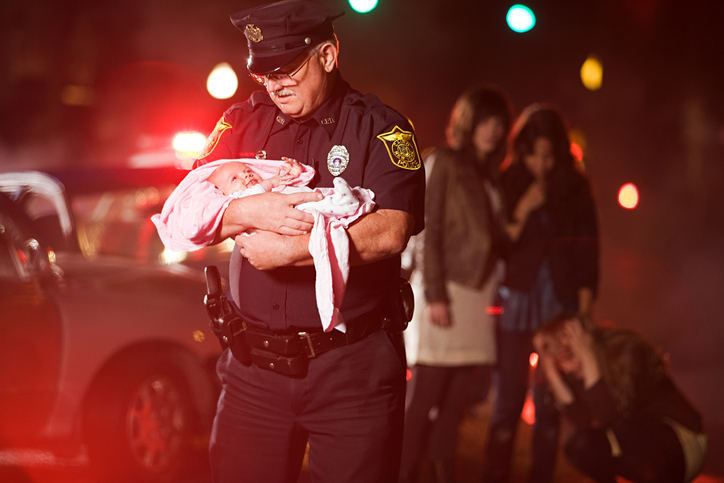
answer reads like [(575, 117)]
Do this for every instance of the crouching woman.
[(630, 418)]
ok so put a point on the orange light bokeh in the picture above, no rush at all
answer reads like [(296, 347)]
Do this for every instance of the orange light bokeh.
[(628, 196)]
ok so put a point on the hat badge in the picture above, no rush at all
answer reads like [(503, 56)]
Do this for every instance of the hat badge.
[(254, 33)]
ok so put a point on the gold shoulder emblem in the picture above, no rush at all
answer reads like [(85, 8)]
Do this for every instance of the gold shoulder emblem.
[(214, 137), (402, 148), (254, 33)]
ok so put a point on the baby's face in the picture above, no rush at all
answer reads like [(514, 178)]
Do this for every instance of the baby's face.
[(234, 176)]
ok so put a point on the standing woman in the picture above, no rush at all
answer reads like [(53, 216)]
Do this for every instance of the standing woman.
[(551, 265), (457, 273)]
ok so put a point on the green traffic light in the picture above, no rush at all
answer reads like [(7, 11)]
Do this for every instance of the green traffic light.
[(363, 6), (520, 18)]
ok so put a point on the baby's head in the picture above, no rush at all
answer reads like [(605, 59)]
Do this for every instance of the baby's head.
[(234, 176)]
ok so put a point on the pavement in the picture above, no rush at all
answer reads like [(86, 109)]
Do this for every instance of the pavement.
[(37, 466), (471, 443)]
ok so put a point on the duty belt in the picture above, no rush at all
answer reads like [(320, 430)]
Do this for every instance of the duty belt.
[(289, 352)]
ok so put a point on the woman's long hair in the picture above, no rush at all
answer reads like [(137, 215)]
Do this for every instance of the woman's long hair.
[(565, 180), (472, 107), (625, 360)]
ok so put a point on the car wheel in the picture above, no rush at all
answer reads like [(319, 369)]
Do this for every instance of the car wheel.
[(139, 422)]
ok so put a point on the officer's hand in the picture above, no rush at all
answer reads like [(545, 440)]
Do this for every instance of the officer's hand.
[(267, 250), (270, 212)]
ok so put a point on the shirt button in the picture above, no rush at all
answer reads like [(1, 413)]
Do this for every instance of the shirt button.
[(275, 306), (299, 141)]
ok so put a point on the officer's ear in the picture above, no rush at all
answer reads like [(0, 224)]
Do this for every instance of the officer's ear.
[(328, 56)]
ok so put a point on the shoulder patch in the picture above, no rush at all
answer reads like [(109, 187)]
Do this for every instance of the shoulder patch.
[(214, 137), (402, 148)]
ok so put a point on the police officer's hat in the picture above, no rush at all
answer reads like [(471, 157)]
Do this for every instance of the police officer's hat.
[(277, 33)]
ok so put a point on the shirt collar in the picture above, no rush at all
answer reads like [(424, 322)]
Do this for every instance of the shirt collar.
[(326, 116)]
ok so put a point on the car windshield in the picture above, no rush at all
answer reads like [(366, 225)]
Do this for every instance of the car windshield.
[(117, 222), (112, 211)]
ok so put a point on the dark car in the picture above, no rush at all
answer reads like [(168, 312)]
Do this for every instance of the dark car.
[(99, 352)]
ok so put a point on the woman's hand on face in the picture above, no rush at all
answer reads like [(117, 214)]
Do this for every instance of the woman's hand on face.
[(577, 339), (439, 314), (540, 344)]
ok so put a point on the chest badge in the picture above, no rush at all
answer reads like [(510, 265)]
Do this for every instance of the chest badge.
[(337, 160)]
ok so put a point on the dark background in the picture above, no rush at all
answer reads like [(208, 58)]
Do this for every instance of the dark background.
[(137, 71)]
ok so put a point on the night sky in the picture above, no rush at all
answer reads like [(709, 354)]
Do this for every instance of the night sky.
[(137, 71)]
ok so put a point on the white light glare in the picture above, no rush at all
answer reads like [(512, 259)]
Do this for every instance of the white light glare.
[(222, 81)]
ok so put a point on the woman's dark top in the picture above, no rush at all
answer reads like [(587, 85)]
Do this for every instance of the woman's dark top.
[(653, 392), (564, 231)]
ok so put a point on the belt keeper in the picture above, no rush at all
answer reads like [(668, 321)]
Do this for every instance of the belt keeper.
[(306, 336)]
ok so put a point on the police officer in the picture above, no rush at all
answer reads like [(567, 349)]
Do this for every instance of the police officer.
[(347, 399)]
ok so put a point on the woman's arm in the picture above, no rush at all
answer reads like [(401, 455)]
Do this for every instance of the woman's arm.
[(433, 257), (561, 392), (586, 252), (581, 345), (532, 199)]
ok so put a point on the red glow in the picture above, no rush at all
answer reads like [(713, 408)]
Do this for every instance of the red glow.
[(533, 359), (528, 413), (408, 375), (494, 310), (577, 152), (628, 196)]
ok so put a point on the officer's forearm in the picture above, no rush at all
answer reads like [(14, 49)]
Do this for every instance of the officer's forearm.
[(375, 236), (379, 235), (296, 251), (273, 212), (231, 222)]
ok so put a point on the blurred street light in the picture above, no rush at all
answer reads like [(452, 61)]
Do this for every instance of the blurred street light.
[(628, 196), (592, 73), (222, 82)]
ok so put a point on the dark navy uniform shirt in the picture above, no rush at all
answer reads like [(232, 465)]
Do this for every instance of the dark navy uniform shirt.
[(382, 155)]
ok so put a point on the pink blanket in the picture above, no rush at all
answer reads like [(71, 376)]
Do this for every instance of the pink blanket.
[(191, 215)]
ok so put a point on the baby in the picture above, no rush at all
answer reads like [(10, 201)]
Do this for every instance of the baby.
[(237, 179), (193, 212)]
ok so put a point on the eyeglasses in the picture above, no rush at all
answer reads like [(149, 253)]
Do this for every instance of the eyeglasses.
[(277, 77)]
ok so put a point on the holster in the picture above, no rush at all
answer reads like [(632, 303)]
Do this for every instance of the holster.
[(277, 352), (402, 306), (225, 323)]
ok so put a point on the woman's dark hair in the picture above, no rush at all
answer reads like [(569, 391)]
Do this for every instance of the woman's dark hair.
[(564, 181), (472, 107), (625, 359)]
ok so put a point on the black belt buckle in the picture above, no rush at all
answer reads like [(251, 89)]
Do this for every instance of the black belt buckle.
[(307, 349), (295, 366), (281, 344)]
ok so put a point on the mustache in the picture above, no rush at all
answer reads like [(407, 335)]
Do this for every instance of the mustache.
[(284, 91)]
